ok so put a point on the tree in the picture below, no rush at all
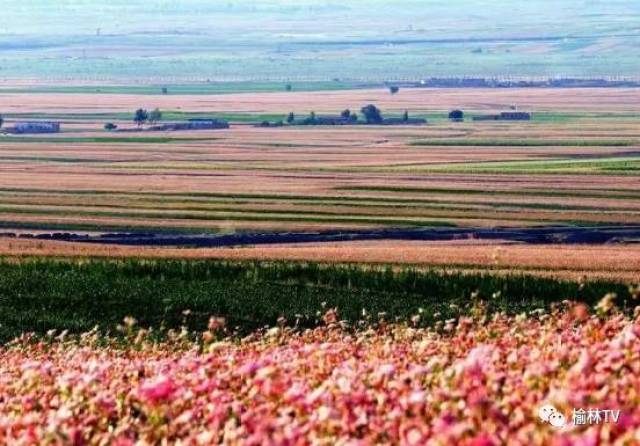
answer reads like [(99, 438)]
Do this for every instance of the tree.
[(372, 114), (165, 90), (110, 126), (394, 89), (291, 118), (288, 87), (456, 115), (311, 120), (1, 121), (141, 117), (346, 114), (155, 116), (405, 116)]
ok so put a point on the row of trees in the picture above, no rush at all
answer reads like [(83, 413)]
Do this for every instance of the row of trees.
[(312, 118), (371, 114), (140, 117), (143, 116)]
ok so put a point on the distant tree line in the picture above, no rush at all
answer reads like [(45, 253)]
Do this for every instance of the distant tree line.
[(142, 117), (371, 115)]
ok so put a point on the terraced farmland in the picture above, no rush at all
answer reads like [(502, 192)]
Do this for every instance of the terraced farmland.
[(580, 168)]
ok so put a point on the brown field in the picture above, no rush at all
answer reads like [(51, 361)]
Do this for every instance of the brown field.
[(423, 99), (617, 262), (579, 165), (324, 177)]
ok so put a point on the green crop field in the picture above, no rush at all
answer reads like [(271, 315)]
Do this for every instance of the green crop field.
[(167, 115), (102, 140), (622, 166), (39, 295), (521, 142)]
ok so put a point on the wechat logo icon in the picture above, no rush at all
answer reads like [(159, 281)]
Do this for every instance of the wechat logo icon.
[(549, 414)]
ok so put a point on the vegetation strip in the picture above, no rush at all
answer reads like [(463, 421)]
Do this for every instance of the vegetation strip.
[(382, 210), (319, 199), (39, 295), (104, 139), (573, 193), (505, 142)]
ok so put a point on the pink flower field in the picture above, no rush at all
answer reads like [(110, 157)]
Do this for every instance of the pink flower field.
[(475, 381)]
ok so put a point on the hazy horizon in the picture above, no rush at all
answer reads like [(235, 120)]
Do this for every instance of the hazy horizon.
[(317, 40)]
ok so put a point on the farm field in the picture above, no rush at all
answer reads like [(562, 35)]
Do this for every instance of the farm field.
[(383, 341), (39, 295), (93, 42), (619, 263), (576, 163), (471, 381), (571, 101), (320, 223)]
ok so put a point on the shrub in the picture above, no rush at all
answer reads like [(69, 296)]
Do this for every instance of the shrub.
[(140, 117), (372, 114), (456, 115)]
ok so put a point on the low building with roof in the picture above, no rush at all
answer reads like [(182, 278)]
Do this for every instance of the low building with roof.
[(35, 127)]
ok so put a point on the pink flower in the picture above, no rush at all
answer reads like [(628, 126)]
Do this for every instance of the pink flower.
[(330, 317), (216, 323), (478, 359), (123, 441), (481, 440), (478, 386), (413, 434), (158, 390)]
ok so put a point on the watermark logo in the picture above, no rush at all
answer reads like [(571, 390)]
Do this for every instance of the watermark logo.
[(550, 415)]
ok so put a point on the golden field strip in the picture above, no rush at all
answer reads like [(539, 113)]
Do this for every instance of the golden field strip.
[(576, 163), (579, 166), (416, 100), (465, 174), (610, 262)]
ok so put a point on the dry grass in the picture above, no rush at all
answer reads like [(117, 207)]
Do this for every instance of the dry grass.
[(620, 262), (320, 178), (255, 172), (414, 99)]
